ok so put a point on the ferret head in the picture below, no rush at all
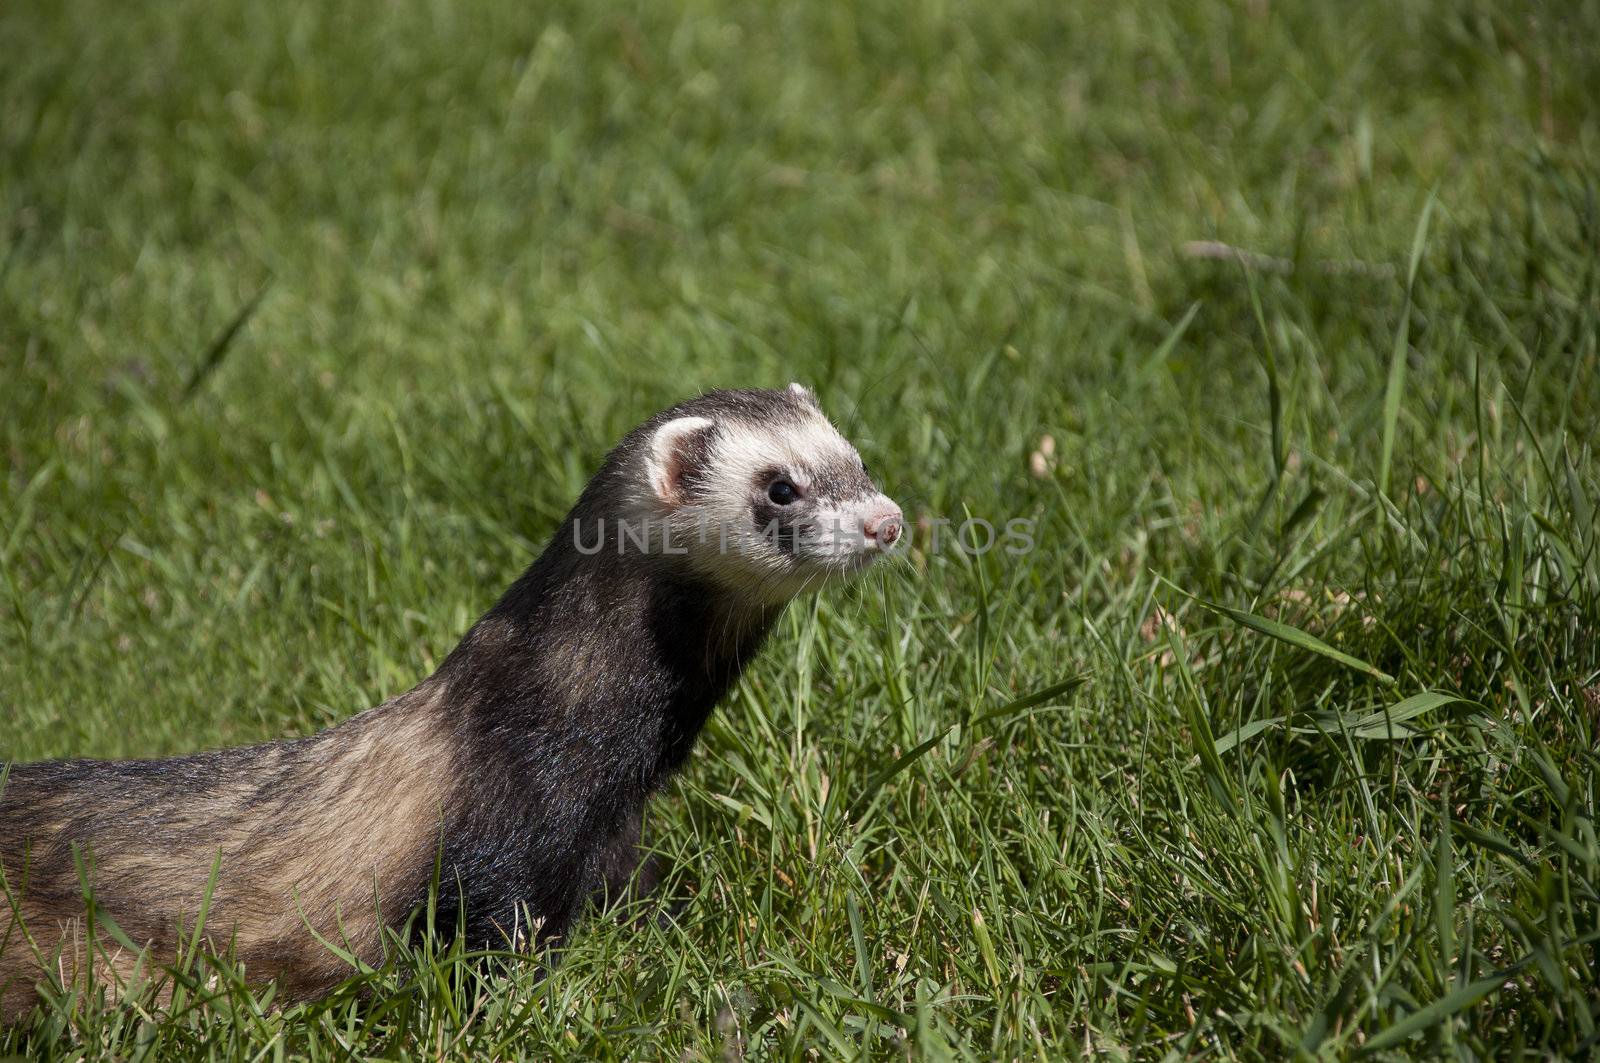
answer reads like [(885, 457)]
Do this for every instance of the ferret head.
[(759, 493)]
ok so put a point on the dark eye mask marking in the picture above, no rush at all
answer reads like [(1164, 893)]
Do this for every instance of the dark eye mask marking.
[(779, 525)]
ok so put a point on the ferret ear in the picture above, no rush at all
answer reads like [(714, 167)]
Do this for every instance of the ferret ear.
[(679, 446), (803, 392)]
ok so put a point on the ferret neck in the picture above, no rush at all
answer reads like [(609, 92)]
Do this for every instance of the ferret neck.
[(610, 654)]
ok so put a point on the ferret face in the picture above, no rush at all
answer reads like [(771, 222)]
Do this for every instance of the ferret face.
[(763, 495)]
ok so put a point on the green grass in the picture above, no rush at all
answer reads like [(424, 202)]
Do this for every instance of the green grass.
[(1319, 530)]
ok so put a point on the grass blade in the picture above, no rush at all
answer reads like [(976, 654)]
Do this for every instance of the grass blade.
[(218, 348), (1294, 637), (1431, 1015), (904, 761), (1402, 345), (1374, 724), (1244, 731)]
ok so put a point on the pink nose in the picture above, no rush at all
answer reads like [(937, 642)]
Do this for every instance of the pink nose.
[(883, 527)]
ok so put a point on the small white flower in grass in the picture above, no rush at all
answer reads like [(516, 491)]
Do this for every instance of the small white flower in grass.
[(1042, 462)]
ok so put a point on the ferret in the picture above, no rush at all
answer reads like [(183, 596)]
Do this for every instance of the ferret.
[(515, 776)]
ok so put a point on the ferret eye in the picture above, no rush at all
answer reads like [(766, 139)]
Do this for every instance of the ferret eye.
[(782, 492)]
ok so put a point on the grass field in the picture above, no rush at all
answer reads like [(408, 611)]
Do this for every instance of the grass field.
[(315, 317)]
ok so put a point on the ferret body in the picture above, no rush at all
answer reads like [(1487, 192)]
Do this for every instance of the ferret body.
[(518, 772)]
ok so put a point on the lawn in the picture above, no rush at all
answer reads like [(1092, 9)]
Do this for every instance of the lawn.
[(1279, 320)]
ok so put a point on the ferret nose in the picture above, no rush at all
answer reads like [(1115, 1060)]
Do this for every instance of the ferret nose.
[(884, 527)]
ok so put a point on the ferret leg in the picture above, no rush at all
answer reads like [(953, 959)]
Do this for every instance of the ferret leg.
[(626, 872)]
